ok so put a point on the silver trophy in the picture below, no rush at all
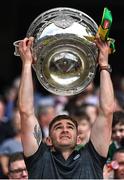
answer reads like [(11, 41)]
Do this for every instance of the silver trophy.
[(66, 57)]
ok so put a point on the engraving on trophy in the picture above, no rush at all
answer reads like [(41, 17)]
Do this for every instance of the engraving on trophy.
[(63, 21)]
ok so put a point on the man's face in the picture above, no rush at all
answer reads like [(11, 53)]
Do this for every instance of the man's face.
[(118, 132), (84, 130), (63, 134), (18, 170), (119, 173)]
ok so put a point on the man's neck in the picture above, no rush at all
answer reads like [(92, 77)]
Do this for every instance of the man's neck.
[(66, 153)]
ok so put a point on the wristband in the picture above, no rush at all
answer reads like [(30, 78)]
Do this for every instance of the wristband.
[(107, 68)]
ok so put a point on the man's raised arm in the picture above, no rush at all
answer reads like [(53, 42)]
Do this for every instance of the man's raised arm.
[(30, 129), (101, 130)]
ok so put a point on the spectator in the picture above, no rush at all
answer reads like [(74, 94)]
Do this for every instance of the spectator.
[(117, 139), (13, 144), (17, 167), (6, 130), (91, 110), (118, 128), (45, 114), (84, 129), (11, 97), (119, 158)]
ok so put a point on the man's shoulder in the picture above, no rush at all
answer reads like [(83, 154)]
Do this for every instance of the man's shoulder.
[(42, 149)]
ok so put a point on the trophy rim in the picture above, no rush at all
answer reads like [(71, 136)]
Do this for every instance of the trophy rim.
[(62, 8)]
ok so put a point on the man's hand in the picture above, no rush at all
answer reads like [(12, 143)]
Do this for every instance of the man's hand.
[(103, 47), (25, 52)]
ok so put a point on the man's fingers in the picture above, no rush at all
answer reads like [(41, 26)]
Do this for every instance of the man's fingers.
[(26, 42), (31, 38), (97, 35), (98, 42)]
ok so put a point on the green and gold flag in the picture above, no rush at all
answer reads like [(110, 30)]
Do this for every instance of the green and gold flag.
[(104, 28)]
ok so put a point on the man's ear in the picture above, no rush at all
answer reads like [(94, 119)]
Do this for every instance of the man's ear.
[(78, 140), (49, 141)]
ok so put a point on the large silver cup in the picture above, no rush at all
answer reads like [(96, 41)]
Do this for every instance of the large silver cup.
[(65, 57)]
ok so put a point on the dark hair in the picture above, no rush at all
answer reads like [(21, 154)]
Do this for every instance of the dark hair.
[(84, 116), (15, 157), (118, 118), (119, 150), (61, 117)]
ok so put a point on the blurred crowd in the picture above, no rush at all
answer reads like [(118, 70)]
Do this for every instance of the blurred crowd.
[(83, 107)]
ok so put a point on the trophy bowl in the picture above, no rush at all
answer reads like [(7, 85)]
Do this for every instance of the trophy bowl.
[(65, 56)]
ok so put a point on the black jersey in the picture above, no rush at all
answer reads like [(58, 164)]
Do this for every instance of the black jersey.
[(85, 163)]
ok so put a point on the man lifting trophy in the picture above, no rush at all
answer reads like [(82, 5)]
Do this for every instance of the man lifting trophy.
[(64, 46)]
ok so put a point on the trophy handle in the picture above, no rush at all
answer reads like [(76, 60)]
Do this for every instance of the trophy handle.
[(16, 53), (16, 44)]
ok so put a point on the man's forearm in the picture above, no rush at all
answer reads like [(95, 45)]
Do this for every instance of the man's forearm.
[(106, 92), (26, 90)]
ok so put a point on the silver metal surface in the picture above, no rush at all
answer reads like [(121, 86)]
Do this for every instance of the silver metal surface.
[(66, 58)]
